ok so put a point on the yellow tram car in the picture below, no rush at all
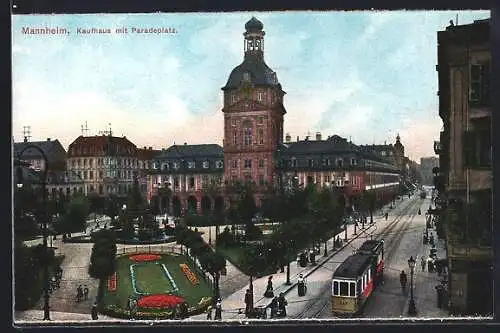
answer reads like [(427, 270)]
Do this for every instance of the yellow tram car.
[(356, 278)]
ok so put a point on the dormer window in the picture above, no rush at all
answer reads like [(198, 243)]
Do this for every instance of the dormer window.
[(176, 165), (260, 96), (219, 164), (205, 164), (191, 165), (353, 161), (340, 162), (246, 77)]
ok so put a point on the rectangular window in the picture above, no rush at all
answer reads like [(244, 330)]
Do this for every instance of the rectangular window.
[(480, 84), (335, 288), (340, 163), (310, 163), (344, 288), (91, 174), (327, 179), (352, 289), (261, 163), (261, 179), (191, 165), (176, 182), (248, 164), (91, 163), (235, 138), (191, 182), (205, 164), (234, 164), (260, 96), (353, 161), (260, 120), (100, 174), (261, 136)]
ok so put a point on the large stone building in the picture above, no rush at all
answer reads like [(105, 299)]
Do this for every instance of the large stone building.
[(394, 154), (53, 150), (253, 114), (187, 178), (106, 164), (465, 178), (427, 164)]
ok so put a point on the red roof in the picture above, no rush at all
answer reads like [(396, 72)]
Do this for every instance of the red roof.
[(147, 154), (101, 145)]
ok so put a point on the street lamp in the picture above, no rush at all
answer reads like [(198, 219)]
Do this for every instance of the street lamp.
[(412, 310), (46, 306)]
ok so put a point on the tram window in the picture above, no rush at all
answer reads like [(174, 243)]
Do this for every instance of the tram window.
[(335, 288), (358, 287), (344, 289), (352, 289)]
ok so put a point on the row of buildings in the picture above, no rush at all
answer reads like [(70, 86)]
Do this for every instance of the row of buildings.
[(255, 149), (464, 176)]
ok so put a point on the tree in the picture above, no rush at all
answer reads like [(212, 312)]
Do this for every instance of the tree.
[(112, 208), (103, 258), (213, 263), (75, 218), (25, 276)]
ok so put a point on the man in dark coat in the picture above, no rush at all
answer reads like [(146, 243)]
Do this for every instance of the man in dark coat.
[(248, 302), (269, 289), (93, 312)]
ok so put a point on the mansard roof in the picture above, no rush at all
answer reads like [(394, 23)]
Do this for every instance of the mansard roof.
[(191, 151)]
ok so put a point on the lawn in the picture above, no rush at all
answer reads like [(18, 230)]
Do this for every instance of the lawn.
[(234, 254), (153, 278)]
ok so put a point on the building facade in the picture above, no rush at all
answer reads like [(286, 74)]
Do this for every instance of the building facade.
[(106, 164), (187, 178), (253, 114), (393, 154), (339, 163), (427, 164), (465, 176), (53, 150), (145, 160)]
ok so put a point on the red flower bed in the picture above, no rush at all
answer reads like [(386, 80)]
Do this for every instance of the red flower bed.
[(159, 301), (145, 257), (112, 282)]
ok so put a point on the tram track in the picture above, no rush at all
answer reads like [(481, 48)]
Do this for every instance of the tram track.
[(391, 246)]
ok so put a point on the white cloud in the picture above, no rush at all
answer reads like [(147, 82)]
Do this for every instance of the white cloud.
[(20, 49)]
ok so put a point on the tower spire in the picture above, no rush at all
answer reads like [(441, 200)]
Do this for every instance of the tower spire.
[(254, 38)]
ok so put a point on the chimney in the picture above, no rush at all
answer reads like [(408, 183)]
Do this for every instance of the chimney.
[(297, 138), (185, 143), (318, 136), (145, 147), (288, 138), (25, 139), (150, 148), (48, 139)]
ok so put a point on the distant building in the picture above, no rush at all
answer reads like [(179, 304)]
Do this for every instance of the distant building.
[(53, 150), (465, 179), (426, 166), (106, 164), (393, 154), (145, 158)]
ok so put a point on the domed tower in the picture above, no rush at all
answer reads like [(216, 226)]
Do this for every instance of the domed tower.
[(253, 113), (399, 153)]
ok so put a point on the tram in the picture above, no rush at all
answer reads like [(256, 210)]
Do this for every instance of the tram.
[(355, 279)]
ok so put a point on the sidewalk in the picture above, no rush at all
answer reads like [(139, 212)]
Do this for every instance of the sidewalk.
[(233, 305), (425, 294)]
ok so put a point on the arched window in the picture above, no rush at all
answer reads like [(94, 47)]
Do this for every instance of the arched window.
[(247, 133)]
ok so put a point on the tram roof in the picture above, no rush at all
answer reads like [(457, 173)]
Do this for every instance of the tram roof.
[(369, 245), (353, 266)]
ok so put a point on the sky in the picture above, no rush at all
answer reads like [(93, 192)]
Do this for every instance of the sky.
[(362, 75)]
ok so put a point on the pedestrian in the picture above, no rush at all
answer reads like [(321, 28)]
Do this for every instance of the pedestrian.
[(282, 303), (386, 216), (86, 292), (209, 312), (79, 293), (422, 262), (269, 289), (274, 306), (94, 312), (248, 302), (218, 310)]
